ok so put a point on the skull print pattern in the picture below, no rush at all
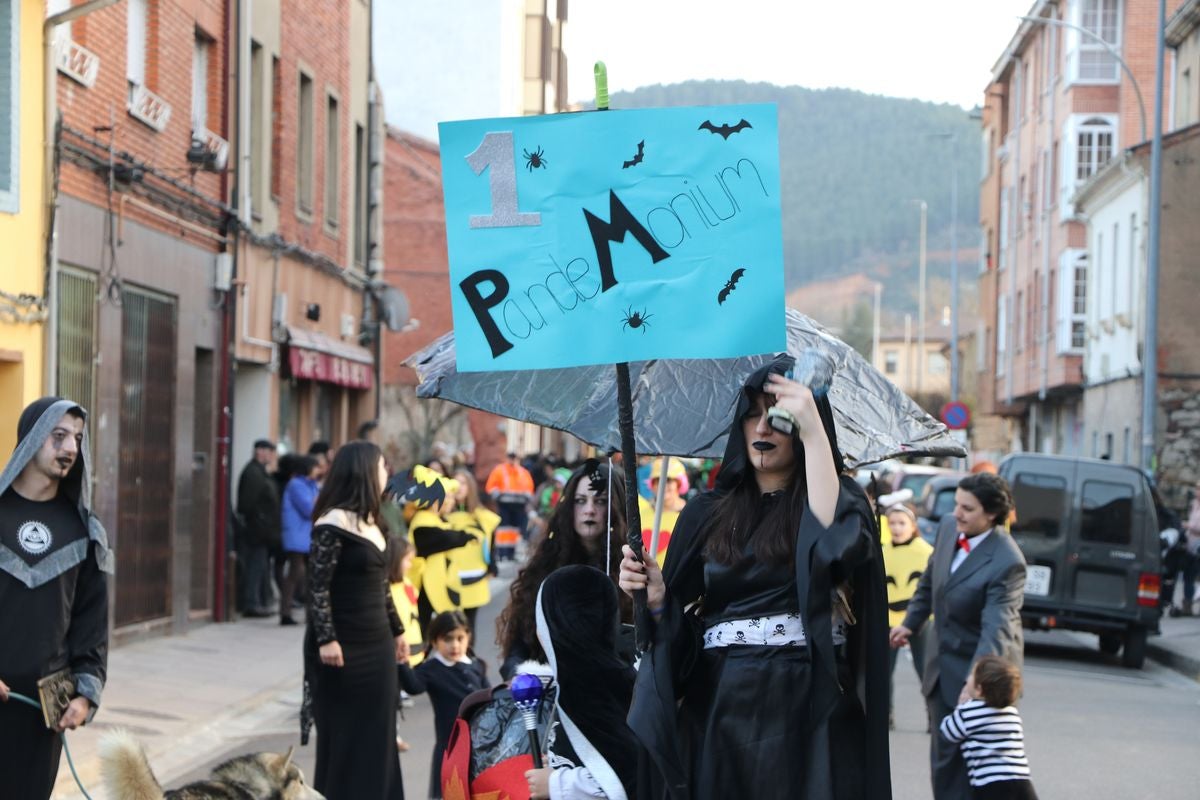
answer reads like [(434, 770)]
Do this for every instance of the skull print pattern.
[(776, 630)]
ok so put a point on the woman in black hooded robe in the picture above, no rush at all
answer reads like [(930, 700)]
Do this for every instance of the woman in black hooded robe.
[(767, 673)]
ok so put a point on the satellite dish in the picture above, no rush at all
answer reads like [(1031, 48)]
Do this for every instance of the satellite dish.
[(393, 308)]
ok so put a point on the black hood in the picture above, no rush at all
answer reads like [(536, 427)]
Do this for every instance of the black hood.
[(72, 485), (733, 467)]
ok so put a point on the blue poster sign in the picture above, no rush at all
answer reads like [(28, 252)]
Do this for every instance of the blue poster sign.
[(600, 237)]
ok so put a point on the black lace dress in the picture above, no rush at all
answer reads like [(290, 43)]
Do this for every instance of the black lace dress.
[(353, 706)]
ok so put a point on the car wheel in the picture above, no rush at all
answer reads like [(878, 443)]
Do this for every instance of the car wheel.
[(1134, 654), (1110, 643)]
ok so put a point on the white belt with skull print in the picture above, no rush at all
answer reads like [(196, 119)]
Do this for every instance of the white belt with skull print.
[(776, 630)]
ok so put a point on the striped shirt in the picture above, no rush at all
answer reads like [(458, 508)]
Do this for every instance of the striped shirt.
[(993, 743)]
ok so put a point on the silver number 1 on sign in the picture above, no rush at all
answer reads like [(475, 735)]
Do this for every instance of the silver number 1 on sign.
[(498, 152)]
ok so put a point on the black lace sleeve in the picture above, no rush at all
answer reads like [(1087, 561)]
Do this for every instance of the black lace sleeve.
[(323, 558)]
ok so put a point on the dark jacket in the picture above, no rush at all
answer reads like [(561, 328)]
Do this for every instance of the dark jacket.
[(258, 506)]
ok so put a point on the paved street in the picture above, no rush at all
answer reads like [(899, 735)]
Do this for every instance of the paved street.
[(1093, 728)]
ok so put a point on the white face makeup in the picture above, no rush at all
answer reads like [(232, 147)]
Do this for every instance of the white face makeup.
[(590, 510), (769, 451), (61, 448)]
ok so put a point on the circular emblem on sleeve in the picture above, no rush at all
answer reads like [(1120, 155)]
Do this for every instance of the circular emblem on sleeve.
[(34, 538)]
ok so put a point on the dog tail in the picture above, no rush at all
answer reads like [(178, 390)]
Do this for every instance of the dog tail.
[(125, 769)]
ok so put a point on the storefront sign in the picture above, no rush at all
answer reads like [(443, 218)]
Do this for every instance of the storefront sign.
[(311, 365), (595, 238)]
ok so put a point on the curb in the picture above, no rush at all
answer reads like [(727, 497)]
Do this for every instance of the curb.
[(1188, 666)]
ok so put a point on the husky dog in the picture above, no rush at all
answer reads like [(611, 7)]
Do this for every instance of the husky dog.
[(260, 776)]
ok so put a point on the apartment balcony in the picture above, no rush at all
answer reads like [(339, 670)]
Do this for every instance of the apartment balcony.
[(77, 63), (145, 106)]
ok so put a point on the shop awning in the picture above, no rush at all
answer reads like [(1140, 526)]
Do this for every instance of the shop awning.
[(313, 356)]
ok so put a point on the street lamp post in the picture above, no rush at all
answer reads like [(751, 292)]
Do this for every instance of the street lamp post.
[(921, 301), (1150, 363)]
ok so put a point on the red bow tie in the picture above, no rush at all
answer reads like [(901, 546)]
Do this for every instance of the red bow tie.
[(964, 542)]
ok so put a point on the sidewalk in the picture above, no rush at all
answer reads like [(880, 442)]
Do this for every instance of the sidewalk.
[(1179, 645), (184, 696)]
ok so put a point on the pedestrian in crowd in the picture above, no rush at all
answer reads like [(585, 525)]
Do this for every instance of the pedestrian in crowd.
[(673, 504), (591, 752), (973, 587), (448, 674), (471, 564), (767, 669), (54, 568), (299, 497), (546, 497), (439, 466), (369, 432), (323, 453), (579, 532), (258, 527), (905, 557), (354, 636), (1190, 561), (987, 728), (511, 486)]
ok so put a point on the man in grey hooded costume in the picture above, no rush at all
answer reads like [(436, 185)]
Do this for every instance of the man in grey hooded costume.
[(54, 567)]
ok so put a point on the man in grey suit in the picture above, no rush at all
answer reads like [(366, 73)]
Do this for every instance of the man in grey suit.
[(974, 588)]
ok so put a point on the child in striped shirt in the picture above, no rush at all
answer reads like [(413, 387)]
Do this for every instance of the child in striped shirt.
[(988, 727)]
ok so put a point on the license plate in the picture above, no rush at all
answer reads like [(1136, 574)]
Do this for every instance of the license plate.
[(1037, 580)]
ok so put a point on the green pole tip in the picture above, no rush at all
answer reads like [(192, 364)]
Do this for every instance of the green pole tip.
[(601, 75)]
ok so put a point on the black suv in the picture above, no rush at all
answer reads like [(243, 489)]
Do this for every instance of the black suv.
[(1089, 533)]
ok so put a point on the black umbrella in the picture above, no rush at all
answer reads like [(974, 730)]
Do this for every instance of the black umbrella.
[(685, 407)]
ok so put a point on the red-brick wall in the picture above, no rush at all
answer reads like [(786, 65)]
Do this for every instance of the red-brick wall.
[(414, 230), (171, 35), (315, 35)]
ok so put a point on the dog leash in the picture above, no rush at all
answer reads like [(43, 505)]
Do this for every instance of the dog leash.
[(62, 734)]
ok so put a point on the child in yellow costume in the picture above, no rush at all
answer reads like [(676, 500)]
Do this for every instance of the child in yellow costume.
[(905, 558), (434, 538), (471, 564), (673, 503), (404, 597)]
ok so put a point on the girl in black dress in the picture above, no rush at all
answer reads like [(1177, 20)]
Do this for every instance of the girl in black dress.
[(354, 636), (449, 673), (768, 621)]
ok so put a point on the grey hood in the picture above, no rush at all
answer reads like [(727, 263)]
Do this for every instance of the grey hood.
[(35, 425)]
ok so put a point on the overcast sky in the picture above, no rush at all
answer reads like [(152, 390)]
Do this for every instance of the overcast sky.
[(937, 50)]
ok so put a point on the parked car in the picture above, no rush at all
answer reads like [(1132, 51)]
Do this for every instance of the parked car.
[(1089, 533), (937, 500), (915, 476)]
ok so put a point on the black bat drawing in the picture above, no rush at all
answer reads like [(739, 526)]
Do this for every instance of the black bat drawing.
[(633, 162), (725, 130), (730, 284)]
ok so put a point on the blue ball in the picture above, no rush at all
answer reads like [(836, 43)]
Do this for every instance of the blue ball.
[(526, 688)]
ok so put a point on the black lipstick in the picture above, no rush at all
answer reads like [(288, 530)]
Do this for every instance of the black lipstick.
[(763, 447)]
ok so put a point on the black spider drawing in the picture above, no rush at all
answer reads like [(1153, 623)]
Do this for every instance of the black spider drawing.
[(535, 160), (636, 319)]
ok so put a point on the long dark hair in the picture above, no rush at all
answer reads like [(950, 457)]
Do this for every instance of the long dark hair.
[(353, 484), (732, 521), (560, 547)]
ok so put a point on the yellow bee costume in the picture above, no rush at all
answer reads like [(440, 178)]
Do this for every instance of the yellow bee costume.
[(468, 565), (903, 565), (404, 597), (434, 538)]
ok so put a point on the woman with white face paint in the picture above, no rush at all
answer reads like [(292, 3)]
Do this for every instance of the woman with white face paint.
[(768, 620), (587, 527)]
